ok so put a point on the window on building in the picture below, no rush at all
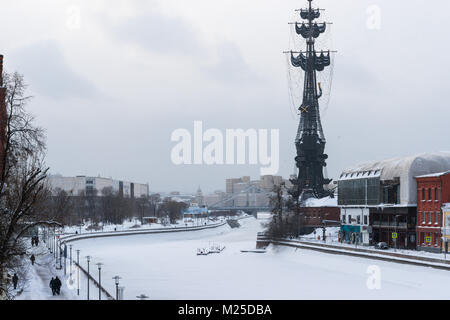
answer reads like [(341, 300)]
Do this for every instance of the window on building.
[(429, 194), (349, 219), (423, 218), (429, 217), (391, 193), (423, 194), (436, 218), (436, 194), (435, 239), (365, 220), (359, 219), (343, 218)]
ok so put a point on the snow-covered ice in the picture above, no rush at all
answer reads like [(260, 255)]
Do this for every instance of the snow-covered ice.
[(166, 266)]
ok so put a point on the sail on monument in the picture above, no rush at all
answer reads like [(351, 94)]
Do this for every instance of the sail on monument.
[(310, 140)]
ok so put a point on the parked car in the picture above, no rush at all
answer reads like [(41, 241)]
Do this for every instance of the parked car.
[(381, 246)]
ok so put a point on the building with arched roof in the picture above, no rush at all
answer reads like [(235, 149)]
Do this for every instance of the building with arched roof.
[(378, 199)]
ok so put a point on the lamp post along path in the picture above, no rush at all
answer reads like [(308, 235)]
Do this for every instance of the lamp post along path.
[(117, 279), (78, 272), (99, 265), (88, 261)]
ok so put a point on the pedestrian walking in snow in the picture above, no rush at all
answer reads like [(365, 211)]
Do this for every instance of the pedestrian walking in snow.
[(53, 286), (58, 285), (15, 280), (32, 258)]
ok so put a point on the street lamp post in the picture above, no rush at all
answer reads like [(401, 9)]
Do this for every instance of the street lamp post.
[(53, 240), (99, 265), (78, 272), (396, 226), (60, 257), (65, 259), (445, 248), (88, 261), (70, 266), (117, 278)]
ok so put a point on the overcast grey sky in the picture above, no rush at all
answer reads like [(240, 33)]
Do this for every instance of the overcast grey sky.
[(111, 89)]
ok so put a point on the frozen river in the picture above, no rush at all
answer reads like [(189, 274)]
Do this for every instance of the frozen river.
[(166, 266)]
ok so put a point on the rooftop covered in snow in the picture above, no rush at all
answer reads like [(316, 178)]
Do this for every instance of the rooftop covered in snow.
[(324, 202), (433, 175)]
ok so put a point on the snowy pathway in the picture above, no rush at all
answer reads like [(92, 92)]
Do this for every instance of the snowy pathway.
[(39, 276)]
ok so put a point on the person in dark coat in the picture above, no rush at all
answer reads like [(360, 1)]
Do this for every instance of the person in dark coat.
[(15, 280), (53, 286), (32, 258), (58, 285)]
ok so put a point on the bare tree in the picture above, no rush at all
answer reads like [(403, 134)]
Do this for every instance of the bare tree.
[(172, 209), (22, 178), (154, 200), (285, 214), (60, 206)]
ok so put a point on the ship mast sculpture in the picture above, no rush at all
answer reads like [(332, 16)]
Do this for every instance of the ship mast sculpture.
[(310, 141)]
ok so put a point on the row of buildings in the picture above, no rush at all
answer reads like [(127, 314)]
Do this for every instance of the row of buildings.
[(403, 202), (243, 192), (83, 185)]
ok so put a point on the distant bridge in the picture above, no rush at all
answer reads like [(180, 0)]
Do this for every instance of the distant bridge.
[(251, 203), (238, 208)]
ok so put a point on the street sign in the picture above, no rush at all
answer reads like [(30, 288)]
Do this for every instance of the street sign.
[(394, 235)]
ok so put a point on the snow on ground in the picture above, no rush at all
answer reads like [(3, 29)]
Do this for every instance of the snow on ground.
[(37, 282), (135, 224), (165, 266), (39, 276), (333, 236)]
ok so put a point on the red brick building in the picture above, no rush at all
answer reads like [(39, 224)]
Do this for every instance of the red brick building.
[(432, 192), (2, 115), (313, 217)]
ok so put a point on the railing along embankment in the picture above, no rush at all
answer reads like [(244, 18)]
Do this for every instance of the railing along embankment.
[(264, 241), (72, 238)]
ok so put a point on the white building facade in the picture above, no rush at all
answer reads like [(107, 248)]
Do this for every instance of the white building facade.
[(81, 185)]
